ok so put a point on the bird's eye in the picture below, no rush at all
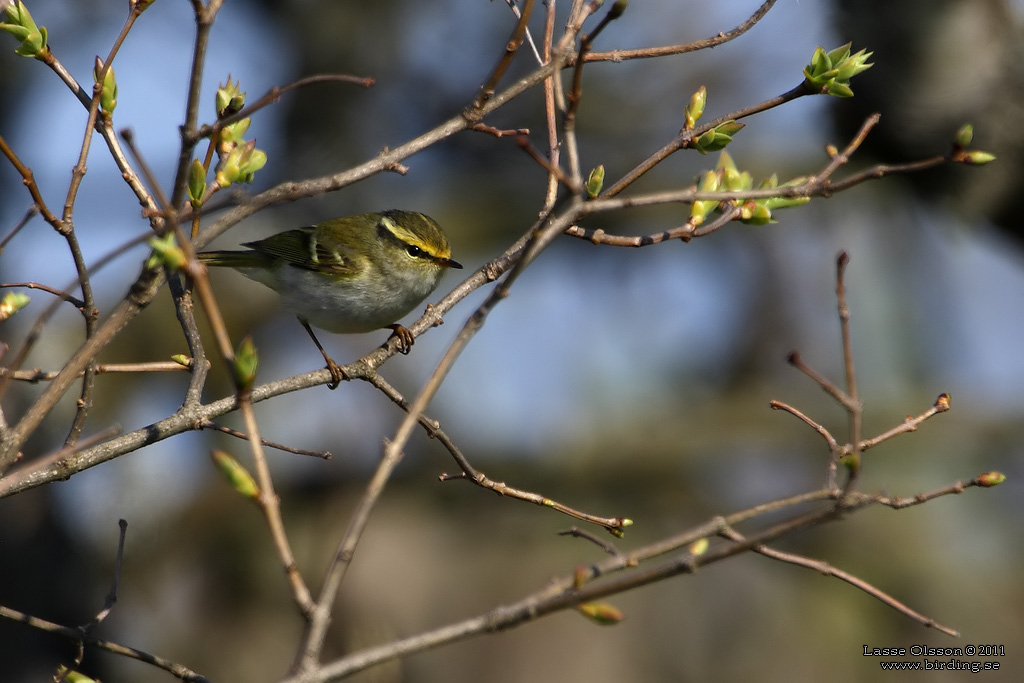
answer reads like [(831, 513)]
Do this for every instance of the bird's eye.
[(413, 250)]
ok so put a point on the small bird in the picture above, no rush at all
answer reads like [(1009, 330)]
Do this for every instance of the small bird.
[(349, 275)]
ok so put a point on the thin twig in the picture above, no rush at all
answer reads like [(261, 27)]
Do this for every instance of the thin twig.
[(833, 445), (550, 166), (324, 455), (615, 525), (37, 375), (270, 504), (64, 295), (601, 543), (829, 570), (624, 572), (942, 404), (854, 408), (553, 103), (308, 652), (79, 361), (272, 96), (529, 38), (29, 180), (621, 573), (686, 138), (704, 44), (111, 599), (499, 132), (486, 92), (469, 473), (75, 635), (22, 222), (830, 388)]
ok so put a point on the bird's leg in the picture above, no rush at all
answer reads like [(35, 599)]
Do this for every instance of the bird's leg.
[(405, 338), (337, 374)]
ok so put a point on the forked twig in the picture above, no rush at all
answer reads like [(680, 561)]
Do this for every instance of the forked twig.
[(180, 671)]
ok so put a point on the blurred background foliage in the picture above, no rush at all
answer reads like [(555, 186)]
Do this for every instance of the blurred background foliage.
[(622, 382)]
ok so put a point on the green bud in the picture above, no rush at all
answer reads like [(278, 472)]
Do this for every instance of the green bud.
[(196, 183), (976, 157), (990, 479), (12, 303), (852, 463), (166, 253), (838, 89), (964, 136), (820, 63), (726, 163), (830, 72), (773, 203), (235, 132), (595, 181), (737, 182), (695, 109), (839, 54), (236, 474), (618, 7), (699, 211), (579, 577), (108, 94), (19, 23), (699, 547), (619, 530), (182, 360), (733, 179), (854, 65), (755, 213), (718, 137), (252, 161), (709, 181), (705, 141), (71, 676), (230, 99), (241, 165), (601, 613), (247, 361), (729, 128)]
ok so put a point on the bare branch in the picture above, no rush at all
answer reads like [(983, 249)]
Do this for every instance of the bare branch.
[(828, 570)]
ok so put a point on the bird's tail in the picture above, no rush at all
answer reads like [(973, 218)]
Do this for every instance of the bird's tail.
[(236, 259)]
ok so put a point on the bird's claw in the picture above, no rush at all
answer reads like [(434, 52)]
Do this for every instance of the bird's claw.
[(405, 338)]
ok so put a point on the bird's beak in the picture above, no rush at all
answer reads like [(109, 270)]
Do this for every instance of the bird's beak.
[(448, 263)]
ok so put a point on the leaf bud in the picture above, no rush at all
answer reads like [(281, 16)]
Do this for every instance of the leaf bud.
[(236, 474), (601, 613)]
